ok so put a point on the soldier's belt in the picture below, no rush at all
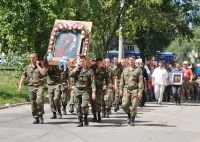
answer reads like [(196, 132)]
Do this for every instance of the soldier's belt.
[(81, 87), (132, 87)]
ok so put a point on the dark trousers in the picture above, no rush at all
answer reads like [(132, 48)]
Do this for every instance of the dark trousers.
[(176, 90), (167, 93)]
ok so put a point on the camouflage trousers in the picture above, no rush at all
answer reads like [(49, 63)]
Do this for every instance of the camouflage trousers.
[(187, 90), (81, 102), (65, 94), (72, 97), (96, 104), (116, 97), (130, 97), (36, 95), (107, 99), (54, 93)]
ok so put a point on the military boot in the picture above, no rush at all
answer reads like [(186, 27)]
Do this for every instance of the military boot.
[(128, 118), (59, 114), (53, 116), (86, 123), (99, 117), (36, 121), (103, 113), (80, 124), (64, 110), (107, 112), (94, 118), (71, 109), (41, 120), (116, 108), (132, 121)]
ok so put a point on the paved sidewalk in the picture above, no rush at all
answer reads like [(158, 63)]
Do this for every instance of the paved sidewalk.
[(154, 123)]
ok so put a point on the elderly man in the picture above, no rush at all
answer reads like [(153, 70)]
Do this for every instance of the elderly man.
[(187, 86), (139, 64)]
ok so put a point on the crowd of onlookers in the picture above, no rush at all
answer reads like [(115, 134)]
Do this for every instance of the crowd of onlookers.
[(177, 82)]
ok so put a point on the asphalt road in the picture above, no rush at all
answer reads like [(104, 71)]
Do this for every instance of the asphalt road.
[(154, 123)]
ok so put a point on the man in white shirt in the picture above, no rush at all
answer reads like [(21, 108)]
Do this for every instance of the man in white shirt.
[(159, 81)]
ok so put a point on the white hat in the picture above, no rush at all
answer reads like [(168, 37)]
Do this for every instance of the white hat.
[(139, 60), (185, 62), (198, 65)]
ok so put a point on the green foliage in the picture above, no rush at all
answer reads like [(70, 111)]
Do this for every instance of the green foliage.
[(152, 26), (9, 89), (26, 25)]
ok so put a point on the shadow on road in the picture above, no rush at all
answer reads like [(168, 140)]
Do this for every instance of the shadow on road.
[(157, 125)]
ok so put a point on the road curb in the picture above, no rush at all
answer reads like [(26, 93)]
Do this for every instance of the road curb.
[(13, 105)]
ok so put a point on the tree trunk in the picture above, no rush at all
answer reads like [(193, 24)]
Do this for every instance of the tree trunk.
[(38, 41), (142, 45)]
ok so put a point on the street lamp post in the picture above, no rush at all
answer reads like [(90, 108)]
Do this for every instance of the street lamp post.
[(120, 55)]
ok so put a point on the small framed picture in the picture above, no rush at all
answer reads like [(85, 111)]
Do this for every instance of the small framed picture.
[(177, 78)]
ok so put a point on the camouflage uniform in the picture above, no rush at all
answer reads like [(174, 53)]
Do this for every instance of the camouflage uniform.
[(107, 100), (58, 89), (36, 89), (100, 76), (72, 94), (82, 80), (54, 88), (65, 93), (131, 83), (72, 97), (118, 71)]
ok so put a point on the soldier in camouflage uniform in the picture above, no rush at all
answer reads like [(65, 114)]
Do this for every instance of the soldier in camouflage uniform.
[(131, 86), (66, 87), (107, 100), (72, 98), (34, 73), (54, 90), (118, 71), (101, 75), (83, 78)]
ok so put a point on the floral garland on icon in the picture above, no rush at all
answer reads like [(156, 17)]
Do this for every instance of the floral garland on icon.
[(71, 27)]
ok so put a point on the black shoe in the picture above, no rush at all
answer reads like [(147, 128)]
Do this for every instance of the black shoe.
[(86, 123), (99, 117), (59, 114), (64, 110), (103, 113), (36, 121), (80, 124), (53, 116), (41, 120), (132, 121), (94, 118), (116, 108), (107, 111), (71, 109), (156, 101), (128, 118)]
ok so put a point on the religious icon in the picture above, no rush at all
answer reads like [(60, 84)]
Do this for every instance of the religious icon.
[(177, 78), (67, 45)]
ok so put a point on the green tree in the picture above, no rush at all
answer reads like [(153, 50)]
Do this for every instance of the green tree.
[(25, 26), (152, 25)]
